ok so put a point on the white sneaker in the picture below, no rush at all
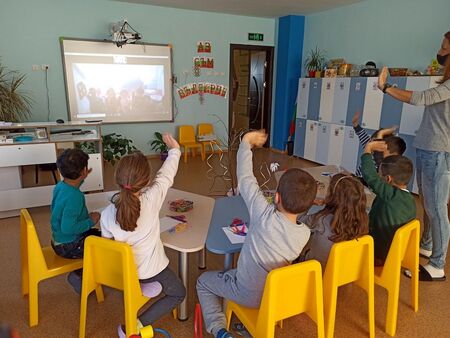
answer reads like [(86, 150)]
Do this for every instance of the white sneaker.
[(425, 253)]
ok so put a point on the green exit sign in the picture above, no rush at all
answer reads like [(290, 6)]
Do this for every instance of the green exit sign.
[(256, 37)]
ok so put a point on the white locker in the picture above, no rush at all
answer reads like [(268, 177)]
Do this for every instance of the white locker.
[(349, 159), (372, 105), (327, 99), (302, 98), (336, 144), (323, 137), (312, 128), (340, 104), (412, 115)]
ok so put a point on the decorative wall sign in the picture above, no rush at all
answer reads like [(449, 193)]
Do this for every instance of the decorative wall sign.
[(202, 88), (203, 46), (203, 62)]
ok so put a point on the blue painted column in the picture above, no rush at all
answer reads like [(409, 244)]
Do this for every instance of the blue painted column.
[(289, 64)]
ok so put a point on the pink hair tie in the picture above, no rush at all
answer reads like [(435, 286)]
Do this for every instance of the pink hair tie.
[(127, 187)]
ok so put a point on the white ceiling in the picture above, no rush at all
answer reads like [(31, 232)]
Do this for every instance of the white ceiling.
[(259, 8)]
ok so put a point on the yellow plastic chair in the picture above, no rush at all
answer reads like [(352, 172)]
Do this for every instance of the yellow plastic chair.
[(38, 263), (111, 263), (288, 291), (187, 140), (404, 252), (207, 129), (349, 261)]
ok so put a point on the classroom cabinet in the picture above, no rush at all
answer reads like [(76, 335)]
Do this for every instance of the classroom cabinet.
[(350, 149), (411, 115), (391, 109), (315, 87), (303, 98), (357, 93), (312, 128), (322, 147), (299, 141), (335, 144), (326, 99), (340, 102), (373, 102)]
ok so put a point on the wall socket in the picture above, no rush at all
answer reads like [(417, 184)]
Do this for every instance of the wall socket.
[(45, 67), (36, 68)]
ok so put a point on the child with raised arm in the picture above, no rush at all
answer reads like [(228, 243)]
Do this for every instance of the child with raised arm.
[(343, 218), (394, 205), (70, 221), (133, 218), (274, 238)]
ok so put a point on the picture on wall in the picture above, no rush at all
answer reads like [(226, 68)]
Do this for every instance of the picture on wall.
[(203, 47), (203, 62)]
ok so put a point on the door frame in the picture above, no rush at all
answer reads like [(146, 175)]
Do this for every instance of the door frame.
[(269, 84)]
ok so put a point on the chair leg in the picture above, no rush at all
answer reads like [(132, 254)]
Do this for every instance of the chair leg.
[(54, 177), (202, 153), (83, 312), (392, 310), (371, 308), (185, 154), (99, 293), (330, 299), (228, 313), (25, 280), (415, 288), (33, 303)]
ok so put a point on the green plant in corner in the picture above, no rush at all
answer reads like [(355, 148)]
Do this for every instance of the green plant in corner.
[(115, 146), (158, 145), (315, 60), (15, 105)]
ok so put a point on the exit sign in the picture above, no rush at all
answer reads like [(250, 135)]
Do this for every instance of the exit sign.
[(256, 37)]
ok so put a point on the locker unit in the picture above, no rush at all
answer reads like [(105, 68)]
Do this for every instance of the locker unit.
[(373, 102), (315, 87), (300, 134), (302, 98), (350, 151), (335, 144), (326, 99), (340, 102), (312, 128), (356, 95), (412, 115), (391, 110), (322, 148)]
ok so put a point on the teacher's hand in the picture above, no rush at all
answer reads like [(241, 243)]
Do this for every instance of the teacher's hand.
[(382, 78)]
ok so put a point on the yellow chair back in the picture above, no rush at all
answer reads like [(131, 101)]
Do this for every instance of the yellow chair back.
[(186, 134), (288, 291), (205, 129), (38, 263), (404, 252), (111, 263), (349, 261)]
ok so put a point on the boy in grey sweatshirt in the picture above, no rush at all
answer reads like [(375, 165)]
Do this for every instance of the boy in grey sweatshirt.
[(274, 238)]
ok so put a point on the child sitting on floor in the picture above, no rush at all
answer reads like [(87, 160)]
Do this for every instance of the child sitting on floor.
[(394, 206), (343, 218), (274, 238), (133, 218)]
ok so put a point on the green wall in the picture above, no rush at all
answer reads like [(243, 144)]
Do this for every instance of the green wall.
[(31, 29)]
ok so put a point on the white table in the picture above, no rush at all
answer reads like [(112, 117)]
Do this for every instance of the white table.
[(190, 240)]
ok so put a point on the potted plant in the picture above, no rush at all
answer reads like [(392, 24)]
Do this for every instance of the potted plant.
[(315, 60), (158, 145), (115, 146), (15, 105)]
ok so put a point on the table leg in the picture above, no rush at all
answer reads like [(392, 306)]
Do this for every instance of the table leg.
[(202, 259), (228, 262), (183, 273)]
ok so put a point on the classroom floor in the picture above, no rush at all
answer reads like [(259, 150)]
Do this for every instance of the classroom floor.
[(59, 305)]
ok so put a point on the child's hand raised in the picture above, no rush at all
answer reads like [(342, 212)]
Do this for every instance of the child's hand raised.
[(355, 119), (256, 138), (375, 146), (387, 131), (170, 141)]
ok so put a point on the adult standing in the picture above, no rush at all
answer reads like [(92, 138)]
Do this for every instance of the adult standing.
[(432, 144)]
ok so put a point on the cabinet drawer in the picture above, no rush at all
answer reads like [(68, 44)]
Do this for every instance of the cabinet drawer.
[(16, 155)]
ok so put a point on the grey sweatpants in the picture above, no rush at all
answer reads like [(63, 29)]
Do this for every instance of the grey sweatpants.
[(212, 287)]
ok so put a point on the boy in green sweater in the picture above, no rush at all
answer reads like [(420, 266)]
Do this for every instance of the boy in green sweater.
[(71, 223), (393, 206)]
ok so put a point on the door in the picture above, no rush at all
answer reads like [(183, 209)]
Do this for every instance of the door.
[(250, 99)]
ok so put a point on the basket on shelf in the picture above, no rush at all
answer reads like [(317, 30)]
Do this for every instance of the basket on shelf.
[(398, 71)]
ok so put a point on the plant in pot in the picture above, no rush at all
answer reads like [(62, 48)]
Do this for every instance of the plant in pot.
[(158, 145), (15, 105), (314, 62), (115, 146)]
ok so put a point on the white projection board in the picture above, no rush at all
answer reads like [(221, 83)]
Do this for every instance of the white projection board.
[(132, 83)]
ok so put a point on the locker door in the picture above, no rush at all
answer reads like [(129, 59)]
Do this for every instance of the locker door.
[(391, 111), (411, 154), (336, 144), (340, 104), (350, 148), (412, 115), (356, 97), (312, 128), (326, 99), (315, 86), (322, 148), (372, 104), (300, 134), (302, 98)]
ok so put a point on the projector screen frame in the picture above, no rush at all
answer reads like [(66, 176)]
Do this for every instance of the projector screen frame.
[(169, 92)]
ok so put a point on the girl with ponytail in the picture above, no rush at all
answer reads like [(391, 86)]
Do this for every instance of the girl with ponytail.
[(133, 218)]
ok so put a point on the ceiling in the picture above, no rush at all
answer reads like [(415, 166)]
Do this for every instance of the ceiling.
[(259, 8)]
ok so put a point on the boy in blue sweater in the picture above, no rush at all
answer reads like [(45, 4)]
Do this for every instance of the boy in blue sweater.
[(71, 223)]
